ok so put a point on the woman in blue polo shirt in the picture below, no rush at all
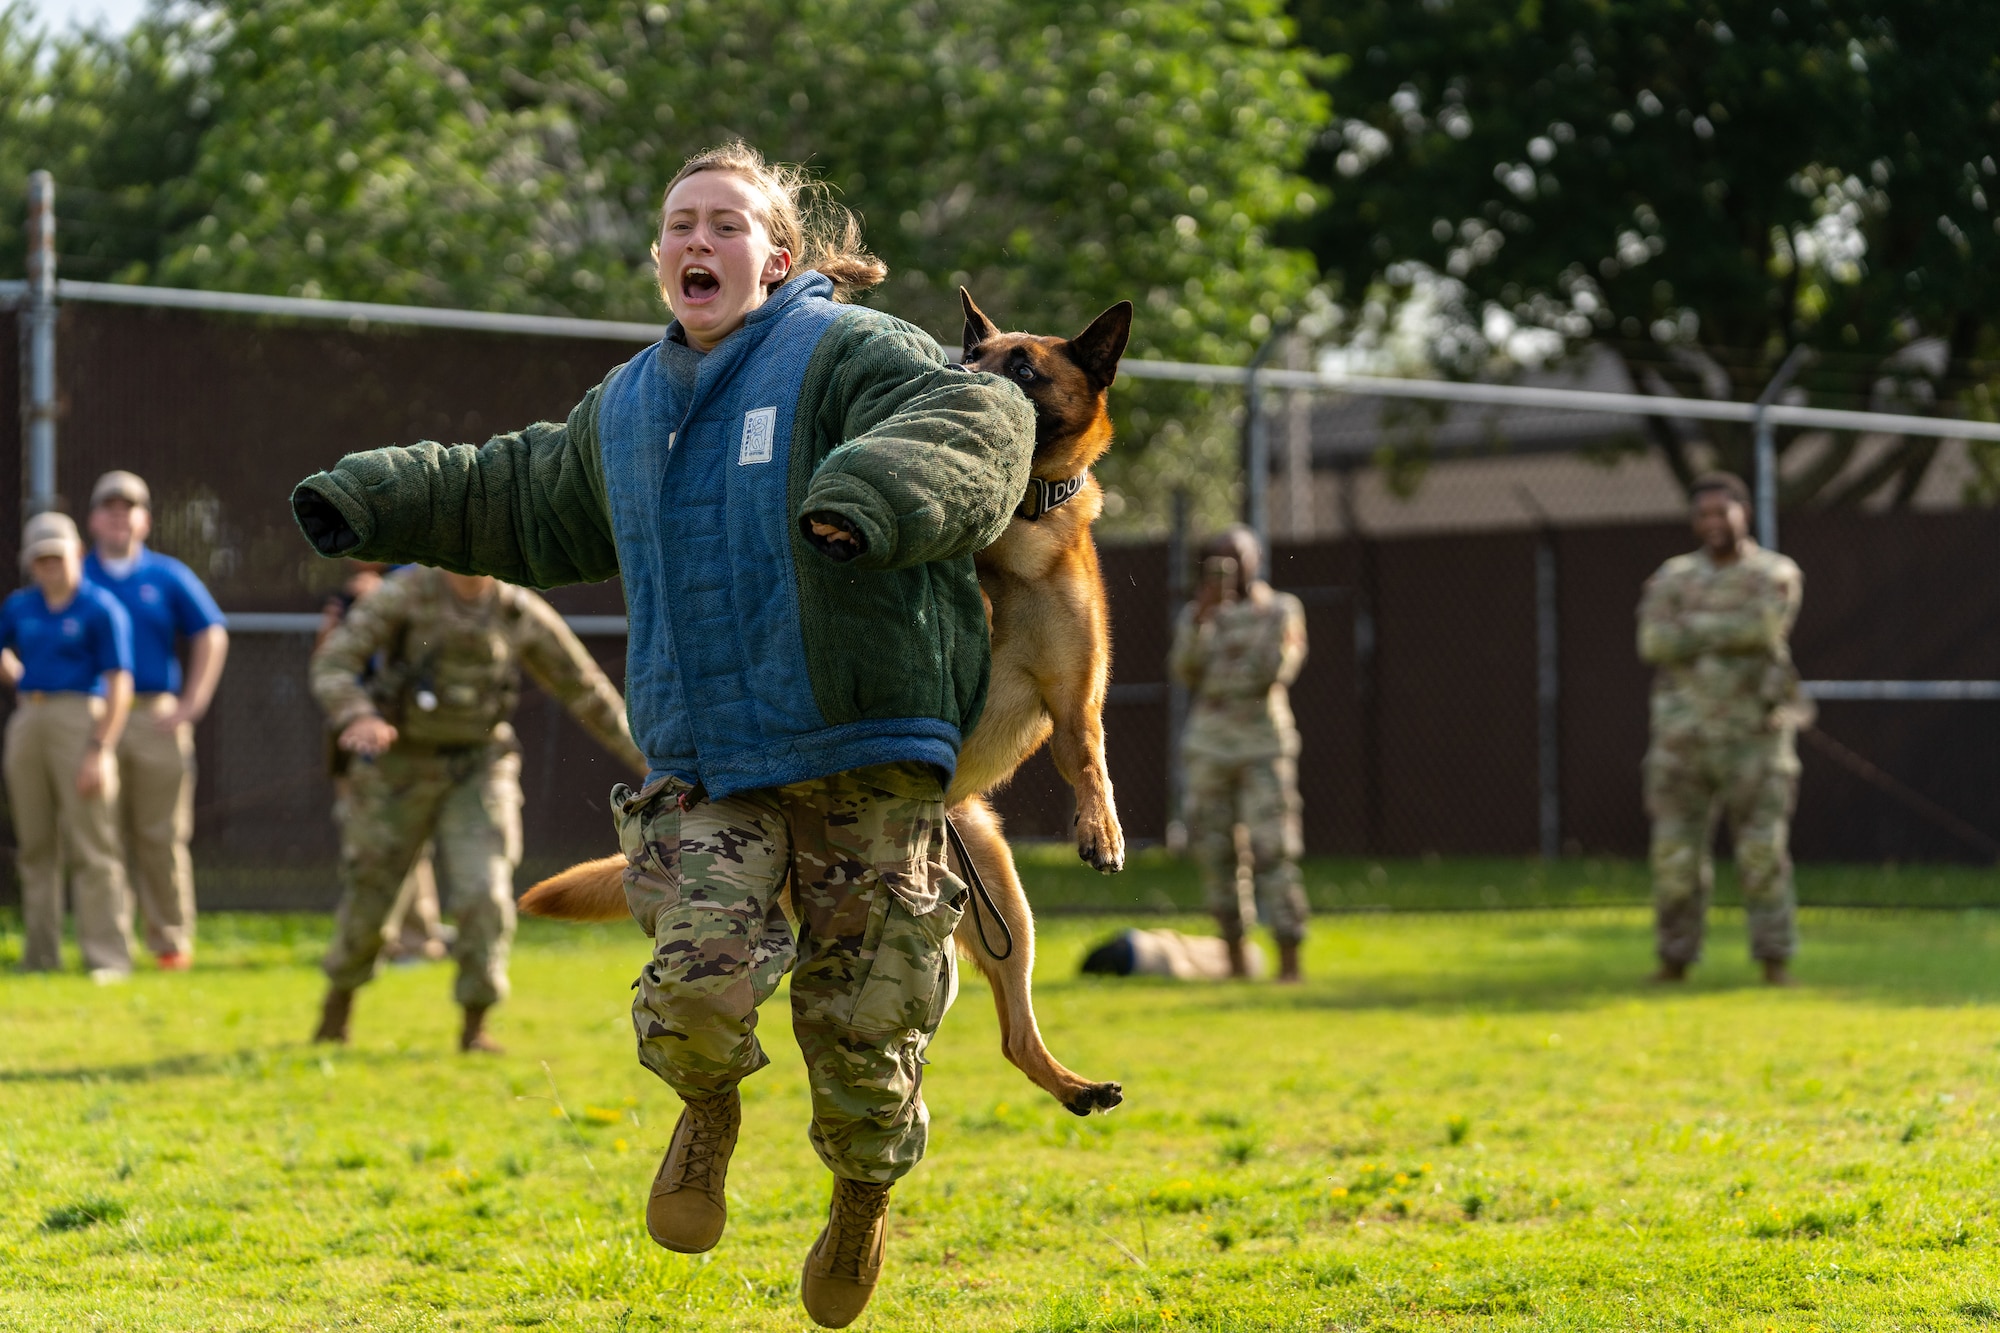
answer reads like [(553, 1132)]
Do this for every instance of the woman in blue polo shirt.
[(69, 657)]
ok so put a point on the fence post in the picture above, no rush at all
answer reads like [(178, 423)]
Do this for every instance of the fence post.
[(1548, 694), (1301, 510), (1767, 447), (1367, 698), (1177, 695), (1257, 445), (38, 318)]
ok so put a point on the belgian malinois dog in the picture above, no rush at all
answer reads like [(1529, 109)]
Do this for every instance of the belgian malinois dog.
[(1051, 661)]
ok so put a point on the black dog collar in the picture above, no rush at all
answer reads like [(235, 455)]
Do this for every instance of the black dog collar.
[(1046, 495)]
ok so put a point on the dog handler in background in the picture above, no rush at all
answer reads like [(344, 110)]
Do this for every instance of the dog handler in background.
[(435, 760), (1237, 647), (167, 603), (792, 490), (69, 657)]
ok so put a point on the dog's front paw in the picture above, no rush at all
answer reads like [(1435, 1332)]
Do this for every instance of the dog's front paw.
[(1097, 1097), (1101, 843)]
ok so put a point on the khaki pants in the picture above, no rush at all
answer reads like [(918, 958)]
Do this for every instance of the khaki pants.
[(54, 827), (156, 815)]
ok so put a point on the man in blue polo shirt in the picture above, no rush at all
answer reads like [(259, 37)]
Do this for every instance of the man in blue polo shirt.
[(68, 655), (167, 603)]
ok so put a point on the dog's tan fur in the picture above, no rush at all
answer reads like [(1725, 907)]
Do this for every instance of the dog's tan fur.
[(1051, 663)]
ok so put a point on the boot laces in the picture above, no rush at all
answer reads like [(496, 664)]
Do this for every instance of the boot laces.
[(857, 1207), (709, 1127)]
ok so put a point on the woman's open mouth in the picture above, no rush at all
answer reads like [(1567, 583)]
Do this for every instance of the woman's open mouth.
[(699, 285)]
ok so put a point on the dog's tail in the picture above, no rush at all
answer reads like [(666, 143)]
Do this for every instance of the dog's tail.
[(593, 891)]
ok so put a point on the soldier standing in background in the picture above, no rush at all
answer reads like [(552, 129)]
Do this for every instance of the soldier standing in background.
[(414, 929), (68, 655), (1726, 711), (167, 603), (435, 757), (1236, 648)]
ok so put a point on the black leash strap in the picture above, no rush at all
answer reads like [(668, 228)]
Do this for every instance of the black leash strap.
[(979, 895)]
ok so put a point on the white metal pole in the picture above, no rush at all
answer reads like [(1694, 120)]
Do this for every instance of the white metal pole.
[(39, 402), (1257, 446), (1767, 482), (1767, 446)]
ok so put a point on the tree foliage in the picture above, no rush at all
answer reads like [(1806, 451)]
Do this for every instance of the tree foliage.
[(117, 120), (1699, 186), (1055, 157)]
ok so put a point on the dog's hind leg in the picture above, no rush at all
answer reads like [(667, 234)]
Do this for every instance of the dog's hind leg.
[(1011, 977)]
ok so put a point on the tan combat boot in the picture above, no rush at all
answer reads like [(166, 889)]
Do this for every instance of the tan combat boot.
[(333, 1015), (845, 1263), (1288, 962), (686, 1210)]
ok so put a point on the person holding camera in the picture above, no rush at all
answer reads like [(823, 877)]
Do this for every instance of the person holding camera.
[(1237, 647)]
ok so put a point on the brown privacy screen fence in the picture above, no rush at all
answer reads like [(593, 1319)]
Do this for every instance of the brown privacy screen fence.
[(1422, 702)]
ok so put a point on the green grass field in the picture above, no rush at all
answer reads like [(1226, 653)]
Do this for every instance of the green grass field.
[(1464, 1121)]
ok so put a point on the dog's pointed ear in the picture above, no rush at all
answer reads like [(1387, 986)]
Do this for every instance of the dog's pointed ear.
[(1098, 347), (978, 328)]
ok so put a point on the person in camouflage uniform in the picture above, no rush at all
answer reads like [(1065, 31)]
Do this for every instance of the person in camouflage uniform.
[(1726, 710), (435, 759), (414, 929), (1237, 647), (792, 490)]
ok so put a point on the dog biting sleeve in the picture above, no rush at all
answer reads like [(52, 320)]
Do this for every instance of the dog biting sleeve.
[(932, 460)]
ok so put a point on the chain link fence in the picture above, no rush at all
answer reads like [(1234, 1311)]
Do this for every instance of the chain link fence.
[(1472, 686)]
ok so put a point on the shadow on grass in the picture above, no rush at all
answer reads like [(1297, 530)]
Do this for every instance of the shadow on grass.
[(246, 1061)]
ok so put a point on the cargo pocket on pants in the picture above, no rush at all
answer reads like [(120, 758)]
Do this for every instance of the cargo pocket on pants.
[(910, 981), (649, 834)]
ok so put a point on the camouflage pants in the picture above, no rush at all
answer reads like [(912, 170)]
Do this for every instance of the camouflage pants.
[(872, 964), (1752, 778), (469, 801), (1262, 795)]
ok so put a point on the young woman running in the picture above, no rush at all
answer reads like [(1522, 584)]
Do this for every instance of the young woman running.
[(792, 490)]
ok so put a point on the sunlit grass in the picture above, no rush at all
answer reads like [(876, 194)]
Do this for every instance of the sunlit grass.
[(1462, 1121)]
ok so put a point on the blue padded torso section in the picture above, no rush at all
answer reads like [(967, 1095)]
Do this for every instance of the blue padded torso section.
[(697, 469)]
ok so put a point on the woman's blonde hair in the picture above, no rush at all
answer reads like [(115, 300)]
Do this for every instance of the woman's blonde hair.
[(801, 215)]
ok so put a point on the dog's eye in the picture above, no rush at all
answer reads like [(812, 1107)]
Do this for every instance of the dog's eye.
[(1024, 373)]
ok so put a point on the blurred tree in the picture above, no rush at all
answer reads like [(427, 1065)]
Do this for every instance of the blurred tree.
[(117, 120), (1698, 186), (1054, 157)]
